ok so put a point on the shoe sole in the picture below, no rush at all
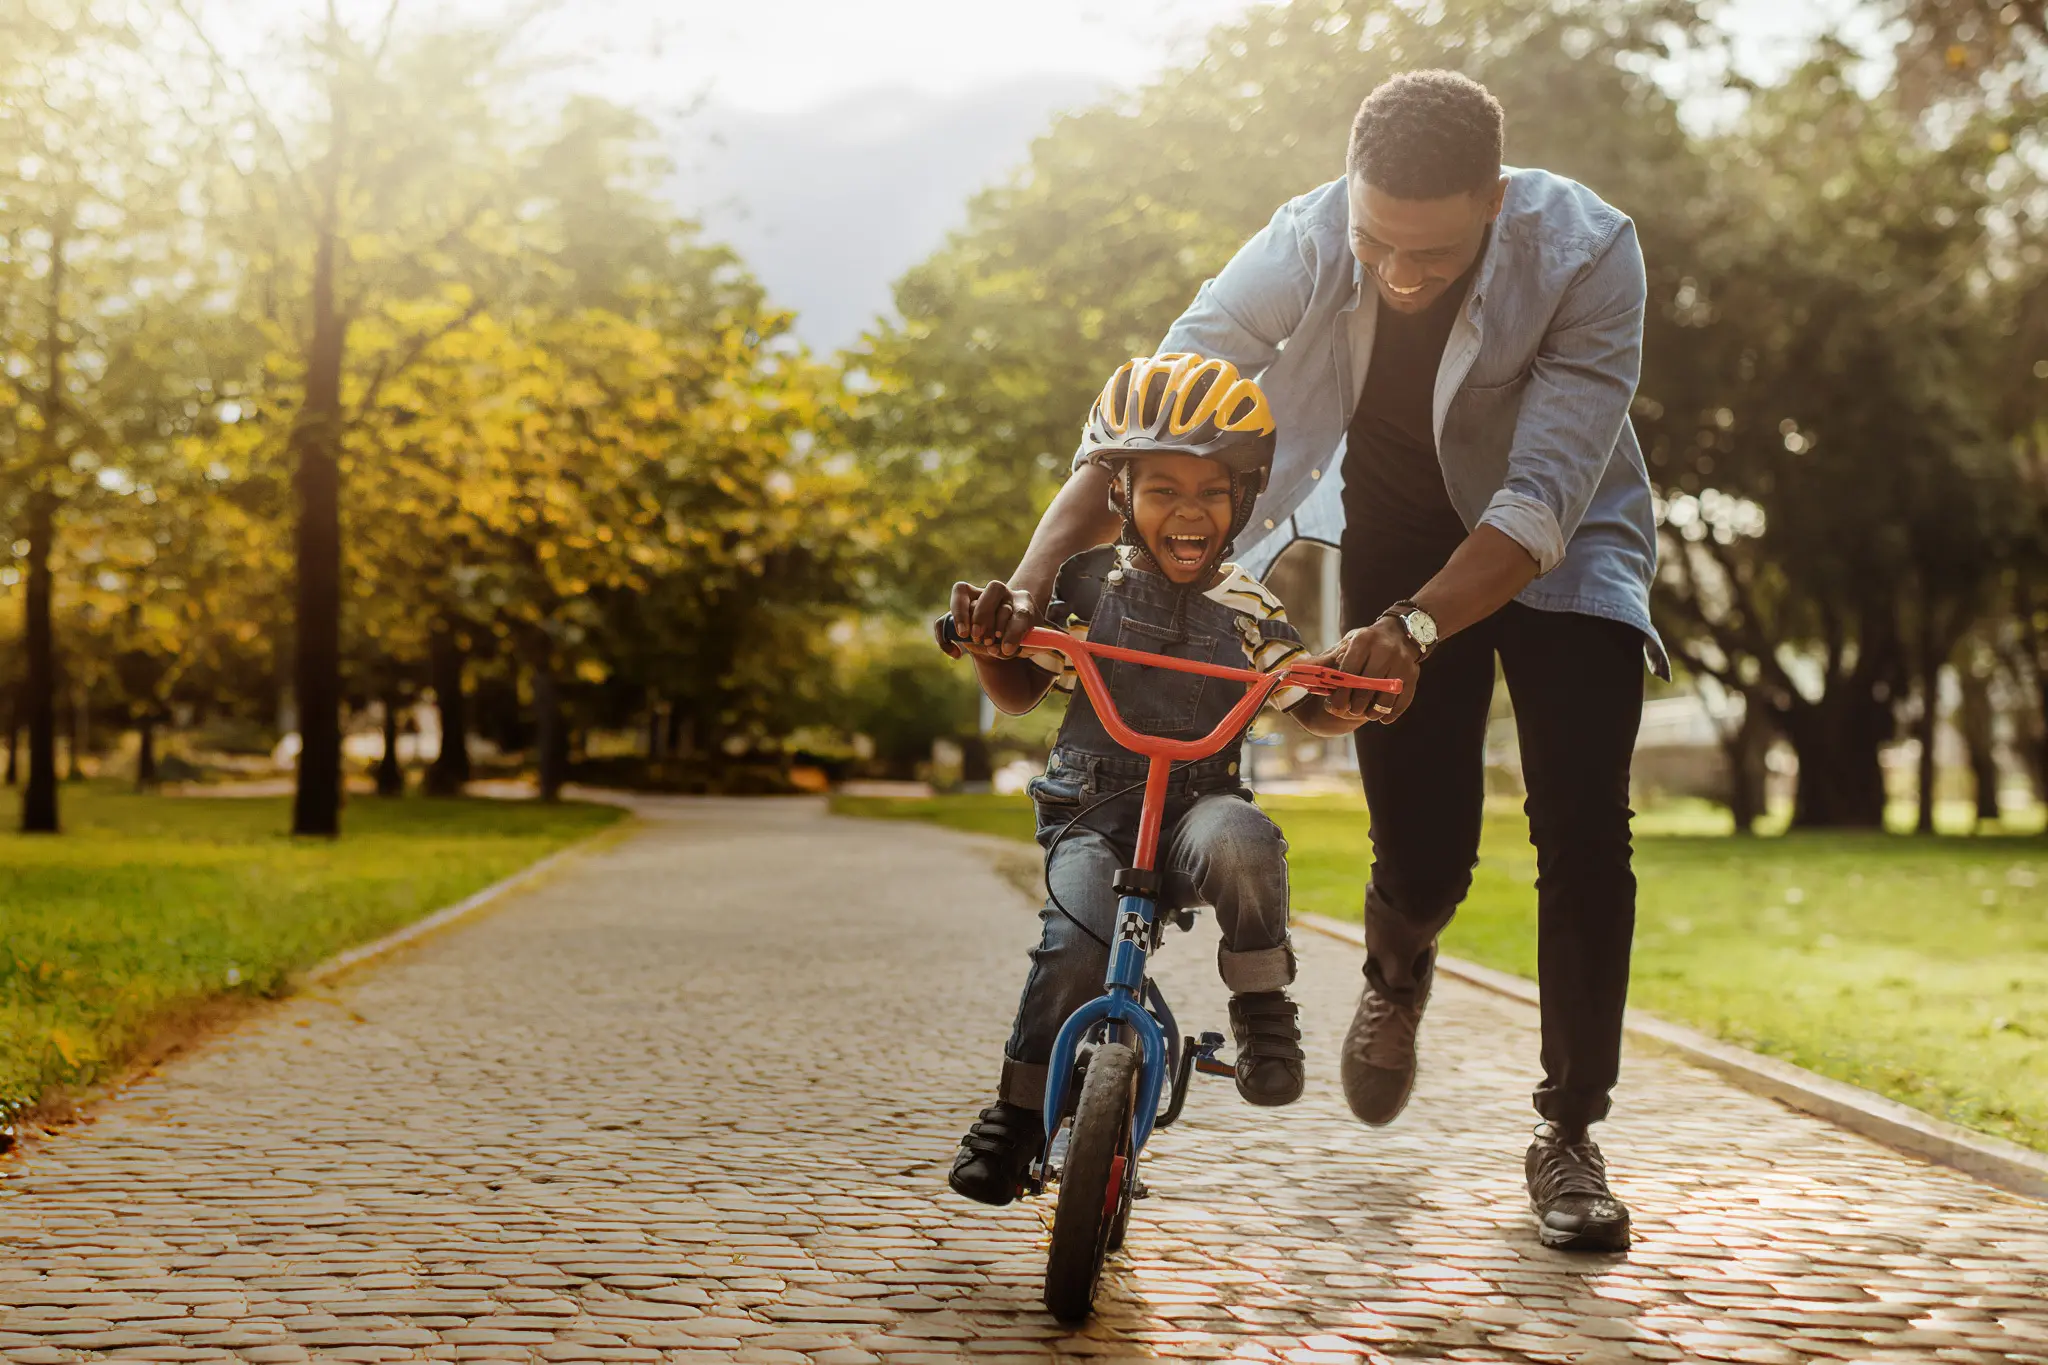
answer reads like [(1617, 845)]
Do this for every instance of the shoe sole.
[(1586, 1239), (1269, 1102), (1381, 1120), (987, 1203)]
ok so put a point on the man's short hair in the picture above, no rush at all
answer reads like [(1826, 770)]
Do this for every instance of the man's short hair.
[(1427, 135)]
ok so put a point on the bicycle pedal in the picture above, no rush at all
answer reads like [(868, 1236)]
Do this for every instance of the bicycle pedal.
[(1206, 1060)]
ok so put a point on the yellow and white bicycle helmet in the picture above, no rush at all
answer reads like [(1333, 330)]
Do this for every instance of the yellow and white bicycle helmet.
[(1182, 403)]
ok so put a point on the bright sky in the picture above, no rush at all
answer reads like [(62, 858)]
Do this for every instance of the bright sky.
[(786, 55), (668, 58)]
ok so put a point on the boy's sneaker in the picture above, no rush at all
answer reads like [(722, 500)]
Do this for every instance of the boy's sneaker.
[(997, 1153), (1267, 1028)]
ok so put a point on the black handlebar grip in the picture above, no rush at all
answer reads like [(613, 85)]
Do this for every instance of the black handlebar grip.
[(947, 636)]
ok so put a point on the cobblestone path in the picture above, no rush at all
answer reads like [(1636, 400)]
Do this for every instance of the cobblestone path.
[(694, 1098)]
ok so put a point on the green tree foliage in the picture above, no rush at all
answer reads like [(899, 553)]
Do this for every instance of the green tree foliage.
[(1097, 244), (1840, 494), (451, 367), (1831, 396), (102, 265)]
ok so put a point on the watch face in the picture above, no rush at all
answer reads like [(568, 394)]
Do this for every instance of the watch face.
[(1421, 628)]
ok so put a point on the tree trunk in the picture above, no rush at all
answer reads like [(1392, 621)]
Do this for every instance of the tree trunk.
[(315, 443), (2041, 740), (1978, 722), (80, 721), (2029, 660), (977, 768), (1929, 726), (654, 730), (1841, 782), (39, 798), (14, 736), (390, 773), (145, 755), (1746, 751), (552, 730), (450, 770)]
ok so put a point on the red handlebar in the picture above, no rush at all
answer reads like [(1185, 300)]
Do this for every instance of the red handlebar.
[(1083, 653)]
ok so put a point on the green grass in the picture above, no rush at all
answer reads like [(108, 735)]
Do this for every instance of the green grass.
[(1917, 968), (148, 908)]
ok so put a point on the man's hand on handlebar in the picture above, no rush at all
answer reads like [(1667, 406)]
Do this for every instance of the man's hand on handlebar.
[(993, 621), (1380, 650)]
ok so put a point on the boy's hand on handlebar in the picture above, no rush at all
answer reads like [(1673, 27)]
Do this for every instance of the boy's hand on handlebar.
[(1380, 650), (994, 620)]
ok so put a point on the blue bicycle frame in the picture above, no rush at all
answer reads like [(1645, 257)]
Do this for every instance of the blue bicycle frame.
[(1123, 1006)]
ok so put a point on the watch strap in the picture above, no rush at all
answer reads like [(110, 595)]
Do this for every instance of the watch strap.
[(1399, 611)]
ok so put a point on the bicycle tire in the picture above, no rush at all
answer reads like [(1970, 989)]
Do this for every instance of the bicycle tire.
[(1093, 1182)]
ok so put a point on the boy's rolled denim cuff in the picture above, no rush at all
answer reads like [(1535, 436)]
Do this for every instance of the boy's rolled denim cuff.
[(1261, 969), (1023, 1084)]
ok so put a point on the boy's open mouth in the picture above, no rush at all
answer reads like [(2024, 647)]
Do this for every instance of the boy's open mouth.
[(1185, 549)]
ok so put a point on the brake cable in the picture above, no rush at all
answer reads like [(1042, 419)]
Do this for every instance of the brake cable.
[(1065, 829)]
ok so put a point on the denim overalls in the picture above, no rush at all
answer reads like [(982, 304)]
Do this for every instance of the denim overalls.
[(1228, 854)]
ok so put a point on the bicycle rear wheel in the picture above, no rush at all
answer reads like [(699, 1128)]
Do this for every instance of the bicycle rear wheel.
[(1093, 1182)]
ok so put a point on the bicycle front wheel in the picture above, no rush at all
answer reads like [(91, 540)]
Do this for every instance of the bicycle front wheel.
[(1093, 1182)]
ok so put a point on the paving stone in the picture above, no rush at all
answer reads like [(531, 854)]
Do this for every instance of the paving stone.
[(677, 1104)]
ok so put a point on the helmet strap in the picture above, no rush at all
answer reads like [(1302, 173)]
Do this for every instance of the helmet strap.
[(1121, 495), (1245, 492)]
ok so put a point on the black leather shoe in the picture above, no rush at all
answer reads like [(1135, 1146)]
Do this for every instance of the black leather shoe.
[(1267, 1027), (1378, 1061), (1575, 1211), (996, 1154)]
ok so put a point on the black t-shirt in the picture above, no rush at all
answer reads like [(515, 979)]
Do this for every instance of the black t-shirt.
[(1395, 505)]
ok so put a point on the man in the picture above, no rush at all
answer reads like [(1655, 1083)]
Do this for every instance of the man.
[(1450, 350)]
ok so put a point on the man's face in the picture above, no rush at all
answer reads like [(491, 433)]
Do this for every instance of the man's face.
[(1414, 249), (1180, 507)]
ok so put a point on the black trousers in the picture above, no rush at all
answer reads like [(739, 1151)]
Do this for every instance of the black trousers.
[(1577, 686)]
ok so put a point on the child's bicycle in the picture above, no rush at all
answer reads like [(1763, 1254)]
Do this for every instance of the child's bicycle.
[(1100, 1089)]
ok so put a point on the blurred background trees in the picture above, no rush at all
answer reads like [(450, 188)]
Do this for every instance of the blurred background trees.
[(1843, 397), (405, 405)]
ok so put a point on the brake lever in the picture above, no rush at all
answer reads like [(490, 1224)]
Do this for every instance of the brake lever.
[(1322, 681)]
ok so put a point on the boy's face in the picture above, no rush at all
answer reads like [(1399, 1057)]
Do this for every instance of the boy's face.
[(1181, 505)]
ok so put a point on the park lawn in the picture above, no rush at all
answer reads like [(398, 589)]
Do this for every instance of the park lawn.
[(1917, 968), (149, 909)]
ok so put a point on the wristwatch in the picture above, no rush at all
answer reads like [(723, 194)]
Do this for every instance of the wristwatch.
[(1418, 625)]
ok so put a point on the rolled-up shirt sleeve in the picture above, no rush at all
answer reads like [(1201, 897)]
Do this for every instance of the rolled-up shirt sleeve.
[(1578, 395)]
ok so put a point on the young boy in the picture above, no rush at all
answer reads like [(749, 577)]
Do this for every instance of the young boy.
[(1189, 444)]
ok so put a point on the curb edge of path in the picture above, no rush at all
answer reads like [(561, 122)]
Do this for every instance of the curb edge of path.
[(450, 914), (2002, 1163)]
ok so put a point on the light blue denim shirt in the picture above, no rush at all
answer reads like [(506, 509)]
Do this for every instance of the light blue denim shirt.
[(1532, 397)]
